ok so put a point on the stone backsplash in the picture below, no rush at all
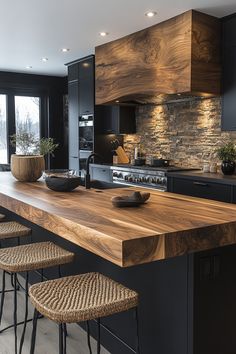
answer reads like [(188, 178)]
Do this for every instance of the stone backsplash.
[(187, 133)]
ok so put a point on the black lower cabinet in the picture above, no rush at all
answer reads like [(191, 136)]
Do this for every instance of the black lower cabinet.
[(214, 302), (201, 188), (187, 304)]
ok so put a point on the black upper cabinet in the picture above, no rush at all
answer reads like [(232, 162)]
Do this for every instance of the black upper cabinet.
[(115, 119), (86, 86), (229, 73), (73, 120), (73, 72)]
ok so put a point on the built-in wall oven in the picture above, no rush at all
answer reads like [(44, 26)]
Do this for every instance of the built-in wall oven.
[(86, 132), (86, 139)]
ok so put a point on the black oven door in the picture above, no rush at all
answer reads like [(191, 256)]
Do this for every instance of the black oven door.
[(86, 133)]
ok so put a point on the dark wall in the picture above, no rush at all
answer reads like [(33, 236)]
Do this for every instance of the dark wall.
[(51, 89)]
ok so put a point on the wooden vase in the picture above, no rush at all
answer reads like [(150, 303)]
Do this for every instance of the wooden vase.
[(27, 168)]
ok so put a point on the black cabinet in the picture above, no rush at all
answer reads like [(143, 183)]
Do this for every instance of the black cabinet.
[(73, 71), (73, 120), (81, 102), (200, 188), (115, 119), (229, 73), (214, 318), (86, 86)]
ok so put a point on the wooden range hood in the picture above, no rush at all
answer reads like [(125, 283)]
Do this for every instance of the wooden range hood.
[(171, 60)]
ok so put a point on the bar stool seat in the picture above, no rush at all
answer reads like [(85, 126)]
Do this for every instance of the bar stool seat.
[(81, 298), (2, 217), (33, 256), (11, 229)]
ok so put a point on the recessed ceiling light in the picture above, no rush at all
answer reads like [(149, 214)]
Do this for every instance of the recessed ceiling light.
[(150, 13), (65, 50), (103, 34), (28, 67), (44, 60), (117, 101)]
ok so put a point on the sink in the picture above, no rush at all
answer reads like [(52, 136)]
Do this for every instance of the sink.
[(95, 184)]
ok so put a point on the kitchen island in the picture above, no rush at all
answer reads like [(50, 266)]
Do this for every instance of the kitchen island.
[(150, 249)]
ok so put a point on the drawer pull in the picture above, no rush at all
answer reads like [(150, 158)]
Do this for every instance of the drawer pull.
[(200, 184)]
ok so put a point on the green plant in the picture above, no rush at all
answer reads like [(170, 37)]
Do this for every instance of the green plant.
[(46, 146), (24, 141), (28, 144), (227, 152)]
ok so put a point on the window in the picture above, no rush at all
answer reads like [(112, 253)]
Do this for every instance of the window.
[(27, 116), (20, 111), (3, 130)]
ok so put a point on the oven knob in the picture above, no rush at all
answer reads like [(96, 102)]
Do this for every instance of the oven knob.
[(120, 175), (130, 179), (126, 177), (154, 180), (115, 174)]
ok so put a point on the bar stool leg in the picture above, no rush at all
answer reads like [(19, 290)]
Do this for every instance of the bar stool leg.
[(61, 347), (15, 311), (99, 336), (64, 338), (3, 294), (88, 337), (137, 331), (33, 336), (26, 311)]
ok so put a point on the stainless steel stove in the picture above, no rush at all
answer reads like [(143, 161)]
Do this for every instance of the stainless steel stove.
[(144, 176)]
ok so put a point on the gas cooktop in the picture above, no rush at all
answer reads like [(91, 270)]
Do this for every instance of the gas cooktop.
[(153, 168)]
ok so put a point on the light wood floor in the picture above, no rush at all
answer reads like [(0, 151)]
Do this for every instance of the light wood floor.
[(47, 333)]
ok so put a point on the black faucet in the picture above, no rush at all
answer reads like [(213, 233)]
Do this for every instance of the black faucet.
[(87, 175)]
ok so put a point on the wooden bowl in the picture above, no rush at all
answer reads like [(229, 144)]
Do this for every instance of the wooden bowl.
[(134, 200), (27, 168)]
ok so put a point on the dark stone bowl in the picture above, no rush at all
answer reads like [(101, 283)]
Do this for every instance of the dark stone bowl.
[(62, 184)]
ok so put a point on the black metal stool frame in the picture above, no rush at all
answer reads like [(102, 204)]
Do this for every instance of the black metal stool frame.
[(26, 320), (63, 334)]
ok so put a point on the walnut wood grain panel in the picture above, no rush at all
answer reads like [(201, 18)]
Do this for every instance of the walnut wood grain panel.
[(206, 45), (158, 60), (168, 225)]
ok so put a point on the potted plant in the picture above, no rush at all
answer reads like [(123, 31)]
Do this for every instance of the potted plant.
[(227, 154), (28, 163)]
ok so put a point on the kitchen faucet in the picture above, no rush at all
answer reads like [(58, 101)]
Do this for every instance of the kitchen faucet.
[(87, 175)]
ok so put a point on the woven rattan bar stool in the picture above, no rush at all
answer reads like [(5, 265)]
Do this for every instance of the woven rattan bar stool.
[(80, 298), (26, 258), (12, 230)]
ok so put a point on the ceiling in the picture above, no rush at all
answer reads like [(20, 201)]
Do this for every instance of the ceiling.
[(31, 29)]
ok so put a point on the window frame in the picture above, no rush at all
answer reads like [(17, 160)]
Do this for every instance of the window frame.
[(10, 112)]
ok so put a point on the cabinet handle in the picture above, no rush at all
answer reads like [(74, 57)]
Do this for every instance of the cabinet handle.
[(200, 184)]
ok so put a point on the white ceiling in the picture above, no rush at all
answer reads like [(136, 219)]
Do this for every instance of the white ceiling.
[(32, 29)]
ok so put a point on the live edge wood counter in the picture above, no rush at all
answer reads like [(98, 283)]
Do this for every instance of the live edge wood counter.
[(168, 225)]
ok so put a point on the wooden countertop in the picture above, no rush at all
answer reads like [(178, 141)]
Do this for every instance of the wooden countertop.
[(168, 225)]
